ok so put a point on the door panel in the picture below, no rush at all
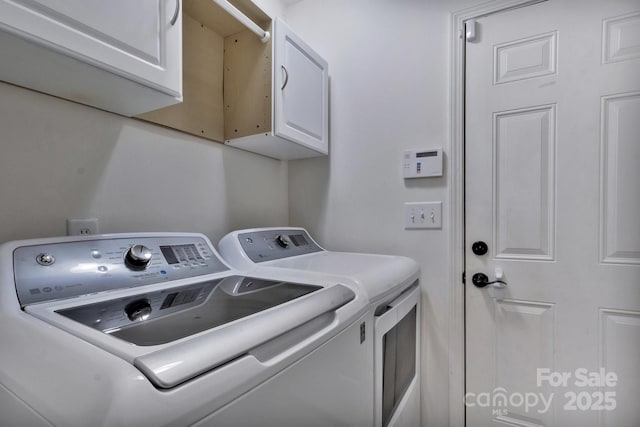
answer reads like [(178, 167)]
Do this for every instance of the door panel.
[(301, 92), (303, 110), (526, 58), (619, 337), (524, 147), (552, 161), (107, 21), (620, 38), (515, 356), (620, 178)]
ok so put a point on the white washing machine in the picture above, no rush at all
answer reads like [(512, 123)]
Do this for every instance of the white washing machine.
[(391, 286), (156, 330)]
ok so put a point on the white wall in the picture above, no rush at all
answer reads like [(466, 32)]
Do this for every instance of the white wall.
[(63, 160), (272, 7), (389, 71)]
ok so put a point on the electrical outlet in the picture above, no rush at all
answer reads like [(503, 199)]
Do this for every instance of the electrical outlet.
[(422, 215), (82, 227)]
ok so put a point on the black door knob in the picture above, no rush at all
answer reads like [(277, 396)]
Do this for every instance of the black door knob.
[(480, 280), (479, 247)]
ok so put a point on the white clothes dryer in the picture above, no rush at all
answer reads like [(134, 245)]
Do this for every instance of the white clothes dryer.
[(392, 288), (154, 329)]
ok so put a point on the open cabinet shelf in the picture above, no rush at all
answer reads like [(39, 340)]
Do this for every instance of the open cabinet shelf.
[(270, 98)]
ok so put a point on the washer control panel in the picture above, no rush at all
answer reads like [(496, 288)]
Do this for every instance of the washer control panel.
[(61, 270), (269, 245)]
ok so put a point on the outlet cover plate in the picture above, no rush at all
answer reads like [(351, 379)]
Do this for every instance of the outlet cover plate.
[(82, 227)]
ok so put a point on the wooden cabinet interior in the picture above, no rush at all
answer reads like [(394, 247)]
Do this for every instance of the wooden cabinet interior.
[(247, 85), (226, 75)]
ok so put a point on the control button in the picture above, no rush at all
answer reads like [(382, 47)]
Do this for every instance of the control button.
[(96, 254), (102, 268), (47, 289), (249, 240), (138, 257), (282, 241), (138, 310), (45, 259)]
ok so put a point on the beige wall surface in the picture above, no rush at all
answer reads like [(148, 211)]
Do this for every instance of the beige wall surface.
[(62, 160)]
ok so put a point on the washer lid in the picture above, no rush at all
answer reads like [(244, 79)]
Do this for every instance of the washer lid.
[(198, 327), (167, 315), (173, 365)]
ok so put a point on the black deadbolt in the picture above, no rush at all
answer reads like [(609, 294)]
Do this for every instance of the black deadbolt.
[(479, 247), (480, 280)]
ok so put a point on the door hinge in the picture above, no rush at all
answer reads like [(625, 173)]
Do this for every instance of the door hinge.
[(464, 277)]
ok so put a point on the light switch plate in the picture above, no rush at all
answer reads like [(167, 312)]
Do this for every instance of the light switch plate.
[(422, 215)]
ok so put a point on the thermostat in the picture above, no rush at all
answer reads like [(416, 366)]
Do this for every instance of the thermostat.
[(422, 163)]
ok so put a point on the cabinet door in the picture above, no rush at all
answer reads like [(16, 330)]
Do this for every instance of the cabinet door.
[(301, 86), (133, 39)]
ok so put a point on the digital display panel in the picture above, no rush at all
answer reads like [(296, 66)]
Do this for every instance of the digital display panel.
[(298, 240), (180, 253), (427, 154)]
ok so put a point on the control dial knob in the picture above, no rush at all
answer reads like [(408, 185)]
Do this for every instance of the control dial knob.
[(282, 241), (138, 257), (45, 259), (138, 310)]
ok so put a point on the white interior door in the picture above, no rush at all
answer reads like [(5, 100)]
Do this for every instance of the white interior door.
[(552, 185)]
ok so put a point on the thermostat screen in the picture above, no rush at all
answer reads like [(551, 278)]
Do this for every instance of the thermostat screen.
[(422, 163), (180, 253), (427, 154)]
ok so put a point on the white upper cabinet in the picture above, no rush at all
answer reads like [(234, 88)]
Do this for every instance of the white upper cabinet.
[(119, 55), (301, 91), (276, 95)]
